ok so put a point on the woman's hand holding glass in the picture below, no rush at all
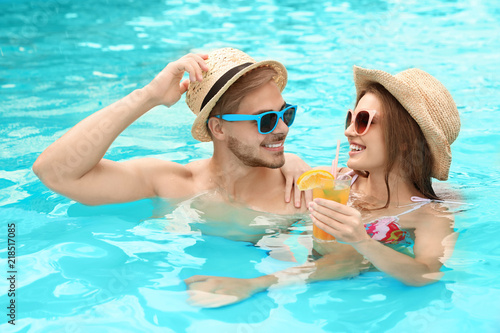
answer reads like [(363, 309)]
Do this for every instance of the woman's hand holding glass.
[(341, 221)]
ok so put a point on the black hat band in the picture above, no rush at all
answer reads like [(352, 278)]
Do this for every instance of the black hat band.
[(222, 81)]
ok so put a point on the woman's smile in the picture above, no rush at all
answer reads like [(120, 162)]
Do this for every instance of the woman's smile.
[(355, 149)]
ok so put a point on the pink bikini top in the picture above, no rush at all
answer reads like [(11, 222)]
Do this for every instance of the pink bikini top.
[(386, 229)]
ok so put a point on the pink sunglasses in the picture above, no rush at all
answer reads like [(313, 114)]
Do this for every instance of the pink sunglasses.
[(362, 120)]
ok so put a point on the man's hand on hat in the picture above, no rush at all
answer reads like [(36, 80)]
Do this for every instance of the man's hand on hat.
[(167, 88)]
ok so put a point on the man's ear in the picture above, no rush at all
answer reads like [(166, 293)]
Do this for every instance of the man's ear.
[(215, 127)]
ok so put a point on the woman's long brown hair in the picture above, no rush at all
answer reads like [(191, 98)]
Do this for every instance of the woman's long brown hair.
[(405, 143)]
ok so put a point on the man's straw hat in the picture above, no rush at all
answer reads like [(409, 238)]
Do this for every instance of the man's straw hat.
[(225, 67), (428, 102)]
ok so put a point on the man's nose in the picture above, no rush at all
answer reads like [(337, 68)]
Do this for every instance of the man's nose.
[(281, 127)]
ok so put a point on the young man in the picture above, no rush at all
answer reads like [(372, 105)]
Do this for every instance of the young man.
[(239, 107)]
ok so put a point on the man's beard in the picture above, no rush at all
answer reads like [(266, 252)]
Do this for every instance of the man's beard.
[(247, 154)]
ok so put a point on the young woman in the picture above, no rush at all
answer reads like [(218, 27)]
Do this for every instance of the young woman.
[(399, 133)]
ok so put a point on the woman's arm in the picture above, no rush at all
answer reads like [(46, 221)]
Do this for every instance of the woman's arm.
[(434, 241), (419, 271)]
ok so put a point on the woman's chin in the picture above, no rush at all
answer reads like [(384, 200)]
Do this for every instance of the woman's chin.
[(351, 165), (354, 164)]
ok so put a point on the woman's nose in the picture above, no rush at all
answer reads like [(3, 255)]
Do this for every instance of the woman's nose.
[(349, 131)]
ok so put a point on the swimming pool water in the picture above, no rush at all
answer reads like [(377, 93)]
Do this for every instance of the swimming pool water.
[(114, 269)]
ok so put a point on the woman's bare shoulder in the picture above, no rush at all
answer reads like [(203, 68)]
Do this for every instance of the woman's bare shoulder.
[(447, 191), (433, 216)]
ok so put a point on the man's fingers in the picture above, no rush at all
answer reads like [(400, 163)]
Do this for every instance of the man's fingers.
[(183, 86), (188, 67), (209, 300), (197, 66), (200, 59), (309, 196), (196, 70), (195, 278), (288, 188), (297, 195)]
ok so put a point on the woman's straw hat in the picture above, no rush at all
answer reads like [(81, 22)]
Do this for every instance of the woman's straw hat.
[(428, 102), (225, 67)]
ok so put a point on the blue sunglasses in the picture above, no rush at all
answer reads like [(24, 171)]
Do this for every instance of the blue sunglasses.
[(267, 121)]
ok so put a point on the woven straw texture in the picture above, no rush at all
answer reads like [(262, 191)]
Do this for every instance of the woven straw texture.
[(220, 62), (428, 102)]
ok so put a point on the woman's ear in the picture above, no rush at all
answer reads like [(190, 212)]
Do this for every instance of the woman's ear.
[(215, 128)]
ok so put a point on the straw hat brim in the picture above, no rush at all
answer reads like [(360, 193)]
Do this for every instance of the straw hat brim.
[(199, 129), (411, 99)]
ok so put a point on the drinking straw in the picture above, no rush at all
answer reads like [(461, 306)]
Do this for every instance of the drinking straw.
[(335, 162)]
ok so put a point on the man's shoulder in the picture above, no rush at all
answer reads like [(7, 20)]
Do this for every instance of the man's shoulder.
[(172, 179), (157, 171), (198, 168), (189, 171), (156, 166)]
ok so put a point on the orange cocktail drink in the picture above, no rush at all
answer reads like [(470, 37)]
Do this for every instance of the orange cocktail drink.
[(331, 189)]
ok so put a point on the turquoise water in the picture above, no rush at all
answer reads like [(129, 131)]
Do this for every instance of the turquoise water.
[(109, 269)]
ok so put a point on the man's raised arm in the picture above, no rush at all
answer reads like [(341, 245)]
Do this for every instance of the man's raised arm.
[(74, 165)]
